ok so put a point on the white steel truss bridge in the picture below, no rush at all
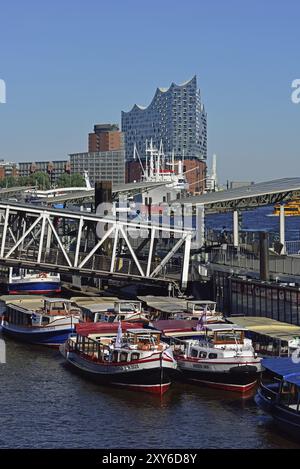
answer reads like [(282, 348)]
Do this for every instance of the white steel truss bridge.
[(47, 239)]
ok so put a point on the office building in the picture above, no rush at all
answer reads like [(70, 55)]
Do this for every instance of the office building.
[(101, 165)]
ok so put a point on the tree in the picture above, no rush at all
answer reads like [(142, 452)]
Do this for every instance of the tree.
[(39, 179), (64, 180), (10, 181), (71, 180), (77, 180)]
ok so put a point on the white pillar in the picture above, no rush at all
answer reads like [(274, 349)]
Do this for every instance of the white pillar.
[(42, 238), (282, 228), (186, 262), (235, 228), (49, 237)]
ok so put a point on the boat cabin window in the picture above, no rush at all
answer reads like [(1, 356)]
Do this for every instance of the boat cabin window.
[(56, 307), (135, 356), (213, 355), (115, 356), (194, 353), (123, 357), (202, 307), (202, 354)]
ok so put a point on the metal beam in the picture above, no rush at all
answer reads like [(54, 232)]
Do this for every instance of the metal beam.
[(59, 242), (80, 226), (168, 257), (107, 234), (23, 236), (152, 239), (113, 257), (131, 251), (4, 231)]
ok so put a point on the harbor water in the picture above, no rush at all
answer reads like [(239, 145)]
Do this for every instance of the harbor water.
[(260, 219), (46, 405)]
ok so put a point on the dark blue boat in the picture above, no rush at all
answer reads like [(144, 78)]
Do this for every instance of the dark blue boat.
[(279, 393)]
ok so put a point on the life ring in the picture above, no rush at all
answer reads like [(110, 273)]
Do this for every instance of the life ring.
[(43, 275)]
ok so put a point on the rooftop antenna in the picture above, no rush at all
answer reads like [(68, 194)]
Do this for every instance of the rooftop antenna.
[(147, 169), (173, 161), (162, 155), (151, 159), (158, 163)]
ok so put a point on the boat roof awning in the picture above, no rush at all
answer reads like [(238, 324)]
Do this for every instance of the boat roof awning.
[(284, 367), (202, 302), (164, 304), (140, 330), (224, 327), (88, 328), (175, 325), (57, 300)]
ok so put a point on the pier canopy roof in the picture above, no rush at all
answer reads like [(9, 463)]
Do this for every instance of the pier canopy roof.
[(246, 197), (132, 188)]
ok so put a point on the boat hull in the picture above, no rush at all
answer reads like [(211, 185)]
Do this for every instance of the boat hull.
[(285, 419), (51, 337), (34, 287), (150, 377), (236, 378)]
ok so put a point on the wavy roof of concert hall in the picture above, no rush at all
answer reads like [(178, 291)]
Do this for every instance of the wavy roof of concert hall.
[(160, 91)]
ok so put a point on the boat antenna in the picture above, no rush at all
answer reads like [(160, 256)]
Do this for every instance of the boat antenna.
[(135, 152)]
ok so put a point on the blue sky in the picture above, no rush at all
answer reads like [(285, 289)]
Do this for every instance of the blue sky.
[(70, 64)]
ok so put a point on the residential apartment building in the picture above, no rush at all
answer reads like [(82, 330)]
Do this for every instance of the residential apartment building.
[(106, 137), (8, 169), (53, 168)]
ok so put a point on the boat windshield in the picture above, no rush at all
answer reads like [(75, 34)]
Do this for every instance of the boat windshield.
[(229, 337), (289, 395)]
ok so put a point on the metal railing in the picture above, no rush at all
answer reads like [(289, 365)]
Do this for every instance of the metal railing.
[(292, 248), (238, 258)]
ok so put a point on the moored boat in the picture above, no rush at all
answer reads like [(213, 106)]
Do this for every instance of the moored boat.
[(221, 358), (201, 308), (47, 321), (279, 393), (30, 281), (120, 310), (136, 359)]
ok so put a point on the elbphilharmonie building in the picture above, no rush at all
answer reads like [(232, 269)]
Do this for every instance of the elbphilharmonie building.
[(175, 116)]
